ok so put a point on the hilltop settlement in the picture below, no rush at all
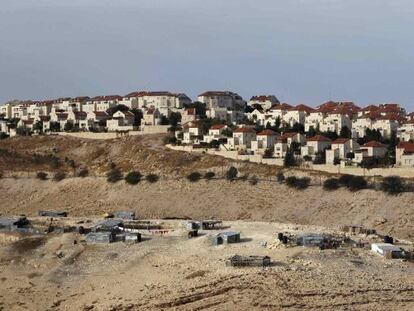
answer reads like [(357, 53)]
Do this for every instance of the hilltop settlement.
[(332, 133)]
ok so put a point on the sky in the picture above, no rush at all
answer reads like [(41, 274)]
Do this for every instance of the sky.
[(302, 51)]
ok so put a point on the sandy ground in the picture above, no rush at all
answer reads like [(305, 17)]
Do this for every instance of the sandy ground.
[(173, 272), (266, 201)]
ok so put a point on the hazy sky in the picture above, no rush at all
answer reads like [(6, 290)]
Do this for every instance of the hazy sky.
[(303, 51)]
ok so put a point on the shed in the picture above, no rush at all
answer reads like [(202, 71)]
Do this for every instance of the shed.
[(248, 261), (133, 237), (110, 225), (53, 214), (125, 215), (312, 239), (225, 238), (387, 250), (211, 224), (100, 237), (193, 225), (13, 223)]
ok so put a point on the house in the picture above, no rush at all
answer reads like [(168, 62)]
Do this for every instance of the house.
[(297, 114), (215, 133), (315, 118), (284, 142), (150, 117), (406, 131), (6, 110), (121, 121), (264, 101), (28, 124), (265, 139), (78, 118), (340, 149), (362, 123), (101, 103), (248, 261), (258, 116), (404, 154), (278, 111), (96, 119), (314, 145), (222, 99), (372, 149), (131, 100), (162, 100), (335, 121), (189, 115), (387, 124), (192, 133), (242, 138)]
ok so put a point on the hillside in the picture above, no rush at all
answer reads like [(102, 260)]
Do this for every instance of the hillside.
[(176, 197)]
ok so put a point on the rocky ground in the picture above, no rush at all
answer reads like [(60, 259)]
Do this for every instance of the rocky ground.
[(173, 272)]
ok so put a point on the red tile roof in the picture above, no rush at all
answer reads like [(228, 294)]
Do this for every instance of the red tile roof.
[(283, 106), (217, 93), (217, 126), (319, 138), (106, 97), (407, 146), (302, 107), (374, 144), (267, 132), (244, 130), (340, 141), (262, 98)]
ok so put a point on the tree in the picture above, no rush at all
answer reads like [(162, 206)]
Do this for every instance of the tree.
[(331, 184), (54, 126), (41, 175), (232, 173), (209, 175), (116, 108), (268, 153), (68, 126), (114, 175), (215, 144), (133, 177), (320, 157), (137, 116), (350, 155), (297, 127), (345, 132), (298, 183), (393, 185), (170, 139), (164, 120), (38, 126), (194, 176), (280, 177), (289, 159), (175, 118), (152, 178), (83, 172), (357, 183)]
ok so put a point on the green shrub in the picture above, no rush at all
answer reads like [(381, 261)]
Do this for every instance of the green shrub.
[(345, 180), (291, 181), (331, 184), (83, 172), (280, 177), (133, 177), (59, 176), (41, 175), (393, 185), (114, 175), (169, 140), (254, 180), (152, 178), (209, 175), (298, 183), (357, 183), (194, 176), (232, 173)]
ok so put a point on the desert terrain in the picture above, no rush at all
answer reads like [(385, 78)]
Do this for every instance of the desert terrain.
[(176, 273)]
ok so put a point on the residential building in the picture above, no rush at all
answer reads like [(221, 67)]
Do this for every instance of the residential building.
[(215, 133), (404, 154), (242, 138), (162, 100), (264, 101), (101, 103), (151, 117), (265, 139), (222, 99), (284, 142), (372, 149), (314, 145), (406, 131), (192, 133), (121, 121), (340, 149), (296, 114), (189, 115)]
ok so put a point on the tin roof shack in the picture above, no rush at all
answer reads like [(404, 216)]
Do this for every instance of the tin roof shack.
[(13, 223), (322, 241), (193, 225), (133, 237), (108, 225), (211, 224), (53, 214), (388, 250), (225, 238), (248, 261), (100, 237), (125, 215), (356, 229)]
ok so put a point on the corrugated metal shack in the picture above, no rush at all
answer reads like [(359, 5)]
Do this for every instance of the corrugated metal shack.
[(211, 224), (248, 261), (13, 223), (225, 238), (323, 241), (108, 225), (100, 237), (53, 214), (125, 215)]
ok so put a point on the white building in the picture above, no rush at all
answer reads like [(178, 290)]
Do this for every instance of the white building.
[(265, 139), (121, 121), (406, 131), (372, 149), (162, 100), (264, 101), (284, 142), (297, 114), (314, 145), (242, 138), (404, 154), (340, 148), (215, 133), (222, 99)]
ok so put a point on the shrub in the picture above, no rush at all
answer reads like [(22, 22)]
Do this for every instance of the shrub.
[(307, 158), (331, 184), (232, 173), (41, 175), (280, 177), (254, 180), (194, 176), (268, 153), (114, 175), (393, 185), (152, 178), (209, 175), (59, 176), (337, 161), (345, 180), (133, 177), (214, 144), (169, 140), (83, 172), (298, 183), (357, 183), (289, 159)]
